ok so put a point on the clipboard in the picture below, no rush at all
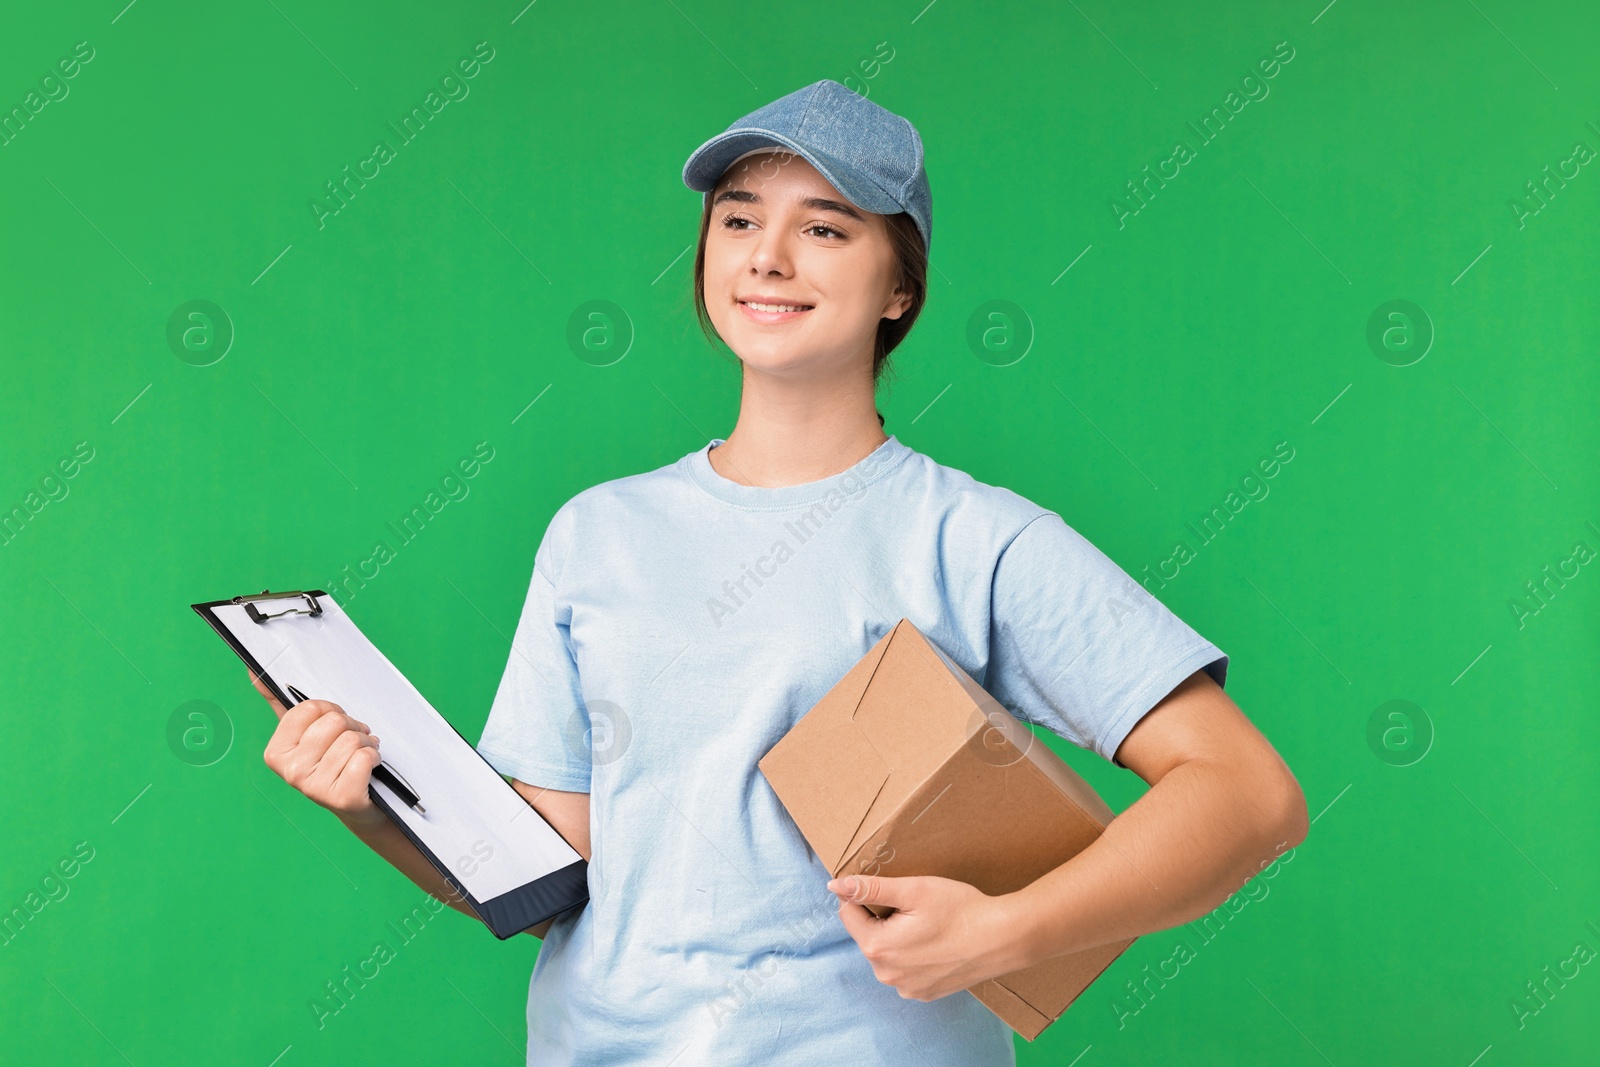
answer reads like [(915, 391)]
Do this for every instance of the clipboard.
[(511, 866)]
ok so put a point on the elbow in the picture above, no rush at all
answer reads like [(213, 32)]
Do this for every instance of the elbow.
[(1269, 791), (1288, 812)]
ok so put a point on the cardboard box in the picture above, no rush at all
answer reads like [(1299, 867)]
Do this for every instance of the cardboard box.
[(907, 767)]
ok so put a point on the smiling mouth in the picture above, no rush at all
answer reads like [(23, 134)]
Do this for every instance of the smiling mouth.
[(772, 308)]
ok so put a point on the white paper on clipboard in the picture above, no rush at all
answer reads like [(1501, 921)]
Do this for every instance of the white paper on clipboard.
[(475, 823)]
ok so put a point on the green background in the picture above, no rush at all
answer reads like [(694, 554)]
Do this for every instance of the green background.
[(1451, 859)]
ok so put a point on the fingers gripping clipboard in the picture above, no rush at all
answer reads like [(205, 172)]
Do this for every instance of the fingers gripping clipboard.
[(498, 853)]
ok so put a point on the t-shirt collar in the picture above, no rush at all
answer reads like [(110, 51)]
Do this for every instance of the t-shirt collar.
[(869, 469)]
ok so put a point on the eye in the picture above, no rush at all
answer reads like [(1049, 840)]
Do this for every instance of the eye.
[(738, 223)]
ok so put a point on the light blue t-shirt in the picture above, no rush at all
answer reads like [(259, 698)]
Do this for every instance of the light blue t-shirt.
[(677, 625)]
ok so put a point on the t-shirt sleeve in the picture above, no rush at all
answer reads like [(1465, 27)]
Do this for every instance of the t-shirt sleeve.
[(1077, 646), (538, 726)]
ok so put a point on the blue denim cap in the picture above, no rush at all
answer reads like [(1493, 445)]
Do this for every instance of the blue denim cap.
[(868, 153)]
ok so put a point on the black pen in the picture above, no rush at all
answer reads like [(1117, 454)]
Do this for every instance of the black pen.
[(382, 772)]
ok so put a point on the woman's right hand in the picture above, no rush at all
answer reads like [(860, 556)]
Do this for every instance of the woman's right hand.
[(325, 754)]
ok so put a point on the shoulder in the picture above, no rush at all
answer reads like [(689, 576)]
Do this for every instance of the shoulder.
[(968, 503), (618, 504)]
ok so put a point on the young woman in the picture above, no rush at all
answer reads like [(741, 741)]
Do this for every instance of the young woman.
[(681, 620)]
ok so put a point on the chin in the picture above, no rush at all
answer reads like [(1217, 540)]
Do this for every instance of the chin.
[(769, 356)]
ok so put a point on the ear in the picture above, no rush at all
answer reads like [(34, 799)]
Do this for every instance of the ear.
[(899, 305)]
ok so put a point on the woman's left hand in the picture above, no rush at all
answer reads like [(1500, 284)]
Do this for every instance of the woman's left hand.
[(944, 936)]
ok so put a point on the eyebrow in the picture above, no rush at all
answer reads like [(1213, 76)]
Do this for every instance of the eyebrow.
[(814, 203)]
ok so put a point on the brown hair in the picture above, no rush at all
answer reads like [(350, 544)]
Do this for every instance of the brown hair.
[(909, 253)]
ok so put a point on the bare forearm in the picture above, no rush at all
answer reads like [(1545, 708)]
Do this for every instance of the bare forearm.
[(1178, 852), (386, 839)]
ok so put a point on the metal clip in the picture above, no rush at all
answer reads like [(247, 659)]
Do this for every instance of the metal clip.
[(258, 616)]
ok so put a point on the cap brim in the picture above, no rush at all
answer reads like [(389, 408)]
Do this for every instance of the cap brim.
[(707, 163)]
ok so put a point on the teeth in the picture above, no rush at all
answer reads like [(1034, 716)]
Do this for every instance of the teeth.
[(774, 307)]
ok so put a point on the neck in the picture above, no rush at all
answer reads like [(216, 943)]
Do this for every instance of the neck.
[(790, 433)]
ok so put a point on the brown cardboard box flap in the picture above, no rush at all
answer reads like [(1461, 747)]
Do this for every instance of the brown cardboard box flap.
[(876, 747), (914, 737), (831, 810), (1038, 988), (1015, 1012), (998, 828)]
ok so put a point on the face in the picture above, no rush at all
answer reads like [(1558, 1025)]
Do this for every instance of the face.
[(780, 234)]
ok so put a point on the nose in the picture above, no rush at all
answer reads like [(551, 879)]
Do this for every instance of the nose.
[(771, 253)]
